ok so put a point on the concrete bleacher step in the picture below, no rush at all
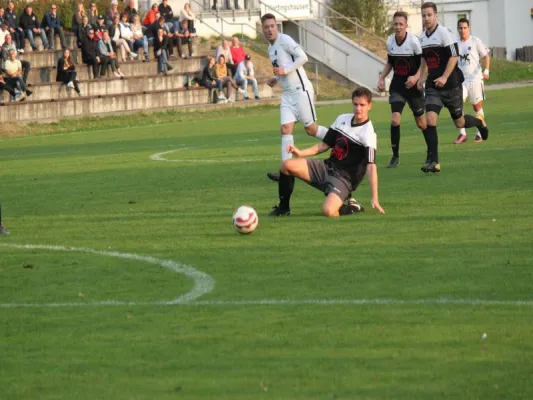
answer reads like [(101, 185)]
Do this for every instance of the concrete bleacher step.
[(129, 68), (118, 103), (109, 86)]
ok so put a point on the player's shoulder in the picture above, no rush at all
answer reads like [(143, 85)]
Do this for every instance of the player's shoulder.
[(390, 41), (285, 39), (343, 120)]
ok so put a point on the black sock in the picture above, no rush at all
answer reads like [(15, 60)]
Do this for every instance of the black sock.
[(433, 143), (285, 188), (471, 121), (395, 140)]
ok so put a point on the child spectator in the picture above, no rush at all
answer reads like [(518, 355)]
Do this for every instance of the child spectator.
[(66, 72), (225, 49)]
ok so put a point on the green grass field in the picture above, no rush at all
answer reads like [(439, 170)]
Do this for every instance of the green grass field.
[(365, 307)]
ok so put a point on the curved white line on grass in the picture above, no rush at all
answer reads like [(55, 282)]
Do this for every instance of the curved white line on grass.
[(360, 302), (161, 157), (203, 283)]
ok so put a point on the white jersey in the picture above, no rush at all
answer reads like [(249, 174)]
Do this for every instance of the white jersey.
[(286, 53), (471, 52), (359, 134)]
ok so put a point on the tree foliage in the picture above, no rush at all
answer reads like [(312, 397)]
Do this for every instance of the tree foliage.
[(372, 14)]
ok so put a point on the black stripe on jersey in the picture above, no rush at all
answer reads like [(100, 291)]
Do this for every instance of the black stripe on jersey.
[(299, 76), (311, 106)]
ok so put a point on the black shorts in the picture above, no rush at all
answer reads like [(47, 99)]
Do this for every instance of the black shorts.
[(415, 99), (451, 98), (325, 181)]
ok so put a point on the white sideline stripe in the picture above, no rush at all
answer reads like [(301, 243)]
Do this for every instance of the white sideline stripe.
[(203, 283), (357, 302)]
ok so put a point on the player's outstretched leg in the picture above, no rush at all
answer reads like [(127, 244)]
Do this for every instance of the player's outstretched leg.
[(3, 231), (471, 122), (287, 139)]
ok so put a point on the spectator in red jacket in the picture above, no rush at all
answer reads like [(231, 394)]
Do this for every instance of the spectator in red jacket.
[(237, 51), (152, 15)]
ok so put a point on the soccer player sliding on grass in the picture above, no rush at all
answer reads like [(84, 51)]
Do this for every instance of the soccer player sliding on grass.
[(353, 140)]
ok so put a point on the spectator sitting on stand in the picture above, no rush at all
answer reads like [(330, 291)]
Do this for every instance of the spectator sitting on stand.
[(161, 43), (127, 34), (151, 16), (237, 51), (100, 27), (225, 50), (112, 13), (245, 74), (30, 25), (166, 11), (14, 95), (52, 25), (77, 18), (224, 80), (140, 39), (131, 11), (89, 54), (208, 75), (108, 55), (66, 72), (186, 14), (93, 14), (83, 30), (4, 31), (16, 31), (182, 36), (13, 68), (120, 43), (6, 48)]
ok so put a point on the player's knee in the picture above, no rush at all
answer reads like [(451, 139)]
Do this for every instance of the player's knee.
[(421, 123), (459, 121), (329, 211), (396, 119), (478, 106), (311, 129)]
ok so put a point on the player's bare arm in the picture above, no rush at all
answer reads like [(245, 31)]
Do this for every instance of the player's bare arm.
[(422, 73), (381, 81), (412, 80), (486, 61), (372, 173), (450, 66), (310, 151)]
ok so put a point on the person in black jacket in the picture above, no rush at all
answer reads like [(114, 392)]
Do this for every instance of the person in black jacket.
[(30, 25), (83, 30), (16, 32), (208, 75), (66, 71), (161, 43), (89, 54)]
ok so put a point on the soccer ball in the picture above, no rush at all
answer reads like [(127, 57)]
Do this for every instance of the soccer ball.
[(245, 220)]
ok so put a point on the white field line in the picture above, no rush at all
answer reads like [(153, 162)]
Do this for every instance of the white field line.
[(203, 283), (359, 302)]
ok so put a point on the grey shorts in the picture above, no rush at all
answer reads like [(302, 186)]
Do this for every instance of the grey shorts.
[(414, 98), (325, 181), (452, 99)]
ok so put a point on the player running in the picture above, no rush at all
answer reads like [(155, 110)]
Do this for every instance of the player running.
[(297, 100), (404, 55), (440, 53), (472, 52), (353, 140)]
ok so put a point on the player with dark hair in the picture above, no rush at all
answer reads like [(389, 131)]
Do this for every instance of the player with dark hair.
[(404, 55), (3, 231), (440, 53), (472, 52), (353, 140)]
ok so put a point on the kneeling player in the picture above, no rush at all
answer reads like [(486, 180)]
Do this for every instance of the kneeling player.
[(353, 140)]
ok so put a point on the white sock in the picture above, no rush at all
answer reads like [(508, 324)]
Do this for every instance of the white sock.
[(481, 112), (285, 141), (462, 131), (321, 133)]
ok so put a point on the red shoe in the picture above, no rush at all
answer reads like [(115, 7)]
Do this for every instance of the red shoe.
[(460, 139)]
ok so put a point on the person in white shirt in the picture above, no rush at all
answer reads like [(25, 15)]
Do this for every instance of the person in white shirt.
[(4, 31), (353, 144), (297, 100), (245, 74), (472, 52)]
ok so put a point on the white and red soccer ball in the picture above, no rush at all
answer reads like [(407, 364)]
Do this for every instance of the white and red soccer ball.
[(245, 220)]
